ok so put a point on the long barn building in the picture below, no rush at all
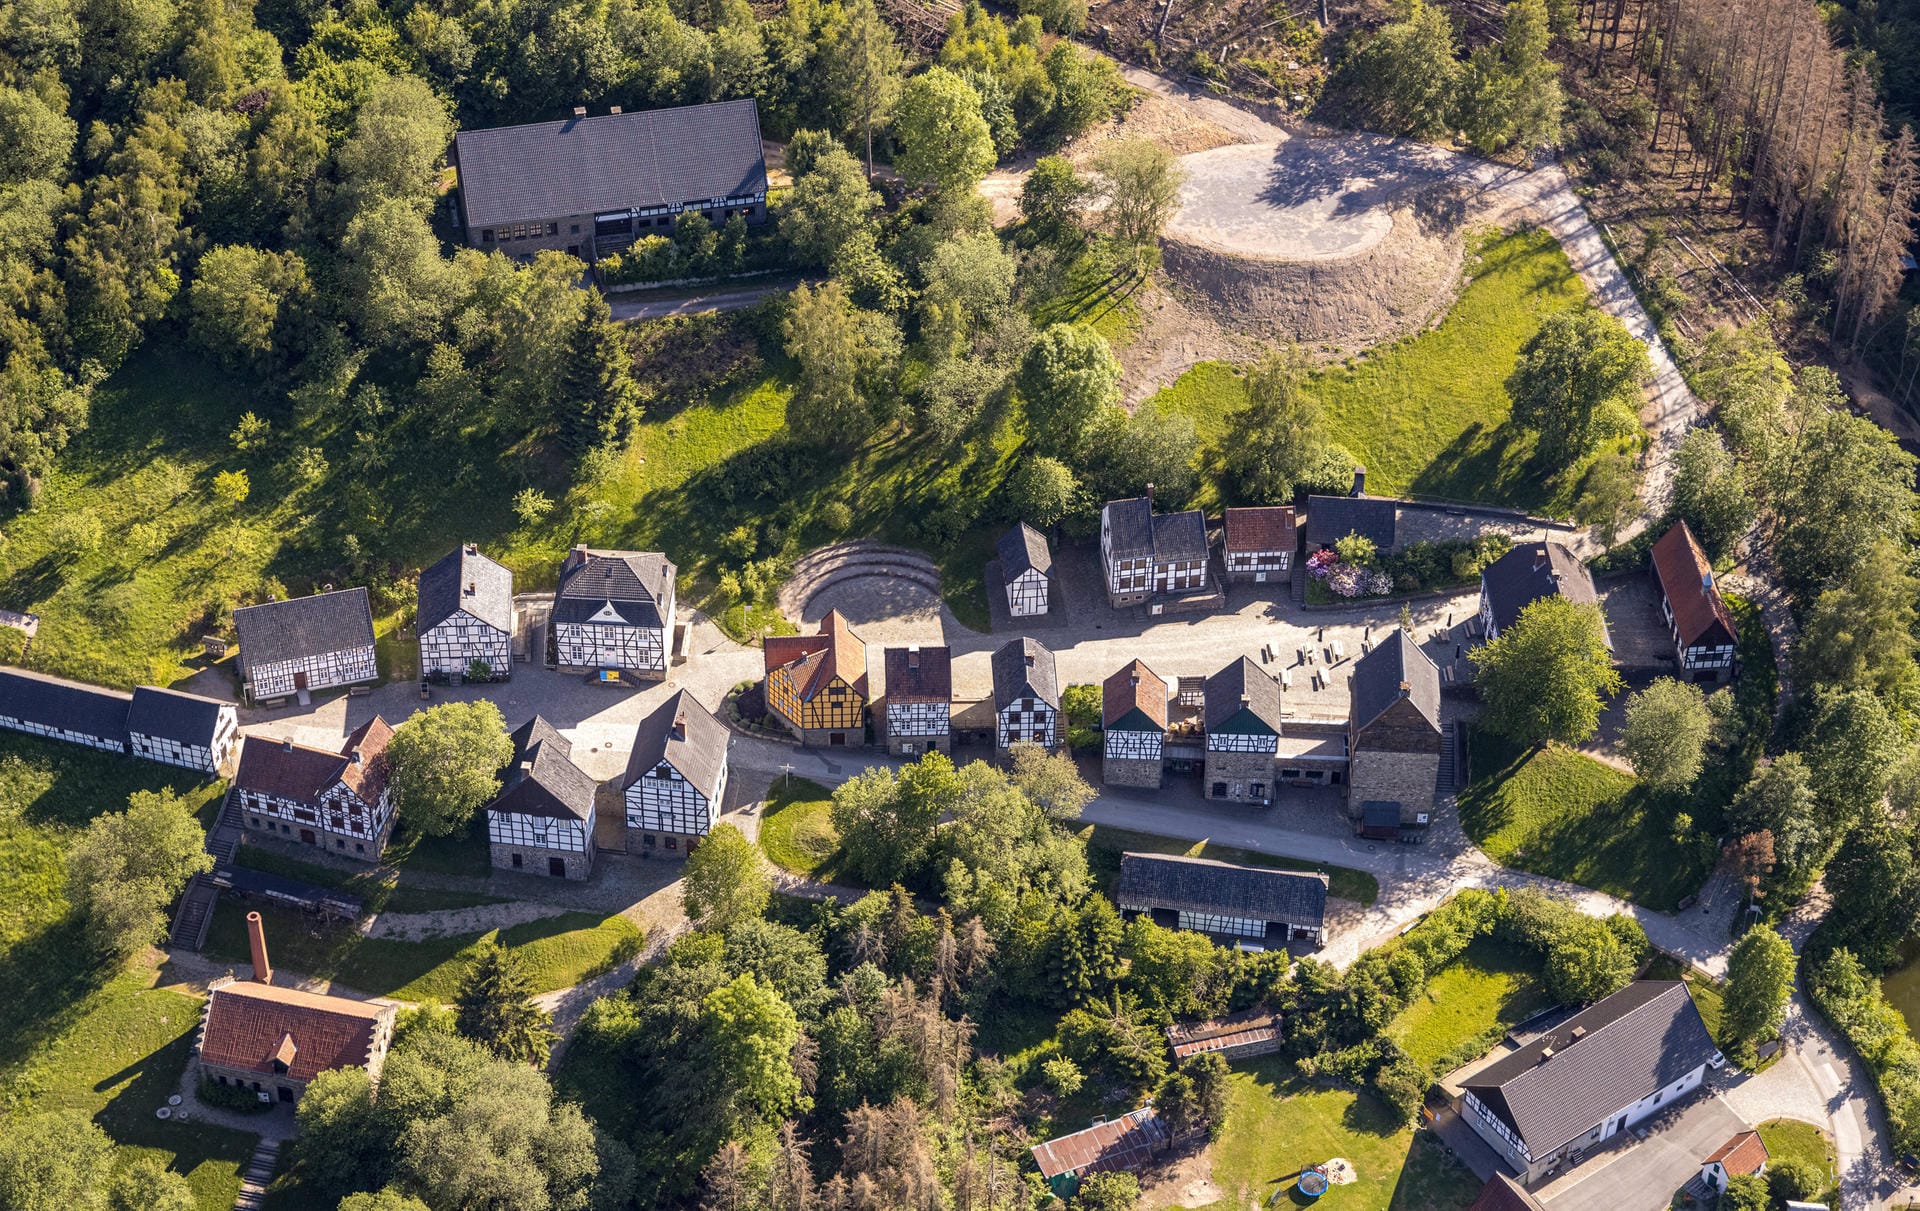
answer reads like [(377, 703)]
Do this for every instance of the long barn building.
[(168, 726)]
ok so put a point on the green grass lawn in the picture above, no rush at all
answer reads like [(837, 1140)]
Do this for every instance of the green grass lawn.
[(1105, 845), (1428, 414), (1785, 1137), (1559, 813), (557, 951), (1277, 1126), (1492, 987), (797, 831)]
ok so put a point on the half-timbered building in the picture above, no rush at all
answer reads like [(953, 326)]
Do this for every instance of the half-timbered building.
[(817, 684), (1527, 573), (336, 801), (614, 611), (465, 618), (1696, 615), (918, 705), (541, 822), (1243, 733), (178, 728), (1144, 553), (306, 643), (271, 1041), (1133, 715), (676, 782), (1259, 544), (1026, 696), (1267, 907), (59, 709), (1394, 732), (1025, 565)]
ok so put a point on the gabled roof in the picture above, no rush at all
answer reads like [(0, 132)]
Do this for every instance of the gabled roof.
[(817, 659), (1611, 1054), (919, 674), (1179, 536), (464, 579), (1378, 676), (1744, 1153), (543, 780), (1242, 699), (1256, 1025), (68, 705), (1502, 1193), (1134, 699), (1332, 518), (175, 715), (1023, 549), (304, 627), (1687, 580), (1116, 1145), (1530, 571), (1269, 528), (1025, 669), (249, 1024), (686, 736), (635, 584), (1129, 527), (658, 157), (296, 771), (1255, 893)]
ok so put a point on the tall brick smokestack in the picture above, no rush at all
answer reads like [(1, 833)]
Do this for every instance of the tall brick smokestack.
[(257, 943)]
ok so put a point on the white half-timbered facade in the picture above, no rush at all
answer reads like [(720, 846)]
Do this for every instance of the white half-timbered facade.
[(465, 618), (1025, 565), (339, 802), (306, 643), (614, 610), (541, 822), (676, 782), (1243, 733), (1133, 715), (1697, 617), (919, 700), (1259, 544), (182, 729), (1026, 696), (1144, 553), (63, 710)]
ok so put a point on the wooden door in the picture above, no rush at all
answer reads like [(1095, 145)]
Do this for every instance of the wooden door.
[(306, 837), (557, 867), (300, 680)]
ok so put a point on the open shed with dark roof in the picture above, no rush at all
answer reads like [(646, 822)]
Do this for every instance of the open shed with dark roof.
[(1221, 898)]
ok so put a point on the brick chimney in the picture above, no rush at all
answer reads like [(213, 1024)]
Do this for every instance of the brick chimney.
[(1149, 498), (680, 727), (257, 943)]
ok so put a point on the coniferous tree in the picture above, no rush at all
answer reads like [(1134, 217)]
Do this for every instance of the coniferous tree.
[(601, 400), (495, 1008)]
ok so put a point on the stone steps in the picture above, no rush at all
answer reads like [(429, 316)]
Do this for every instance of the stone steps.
[(256, 1176)]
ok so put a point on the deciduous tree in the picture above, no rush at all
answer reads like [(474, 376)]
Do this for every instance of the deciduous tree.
[(1066, 379), (946, 146), (1543, 678), (1759, 979), (129, 866), (1139, 182), (443, 763), (1666, 733), (725, 883), (1053, 199), (1710, 491), (1272, 443), (1578, 377), (843, 353), (54, 1161)]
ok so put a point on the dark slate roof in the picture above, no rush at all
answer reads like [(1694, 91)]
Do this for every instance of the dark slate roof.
[(1134, 699), (1179, 536), (1502, 1193), (1243, 699), (174, 715), (635, 583), (1332, 518), (699, 752), (1531, 571), (1642, 1038), (302, 627), (466, 580), (919, 674), (1378, 676), (1129, 527), (1022, 549), (658, 157), (1025, 669), (68, 705), (543, 780), (1202, 885)]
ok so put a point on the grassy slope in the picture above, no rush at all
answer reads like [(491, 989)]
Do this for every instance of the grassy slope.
[(1785, 1137), (1105, 845), (557, 951), (74, 1035), (1492, 986), (378, 887), (1556, 812), (1277, 1126), (1427, 414), (797, 831)]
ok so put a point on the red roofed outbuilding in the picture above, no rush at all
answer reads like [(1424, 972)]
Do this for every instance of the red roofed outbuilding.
[(1697, 617)]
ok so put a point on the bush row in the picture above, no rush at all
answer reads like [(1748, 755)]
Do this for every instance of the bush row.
[(1852, 1000)]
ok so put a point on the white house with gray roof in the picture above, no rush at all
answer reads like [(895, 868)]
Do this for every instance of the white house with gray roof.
[(465, 617), (676, 781), (177, 728), (1025, 564), (541, 822), (1611, 1066), (1144, 553), (58, 709), (306, 643), (1268, 907), (1026, 696), (614, 610)]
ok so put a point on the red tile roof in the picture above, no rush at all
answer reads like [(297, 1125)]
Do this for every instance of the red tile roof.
[(1264, 529), (1219, 1034), (250, 1024), (835, 652), (1744, 1153), (1687, 580), (295, 771), (1122, 1143), (1134, 688)]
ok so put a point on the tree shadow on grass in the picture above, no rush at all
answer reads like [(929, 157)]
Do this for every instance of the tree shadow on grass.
[(46, 981), (1494, 466)]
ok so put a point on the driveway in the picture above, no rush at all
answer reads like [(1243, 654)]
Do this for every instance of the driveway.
[(1643, 1175)]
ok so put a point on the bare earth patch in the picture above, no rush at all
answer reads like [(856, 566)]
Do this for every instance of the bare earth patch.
[(1186, 1182)]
